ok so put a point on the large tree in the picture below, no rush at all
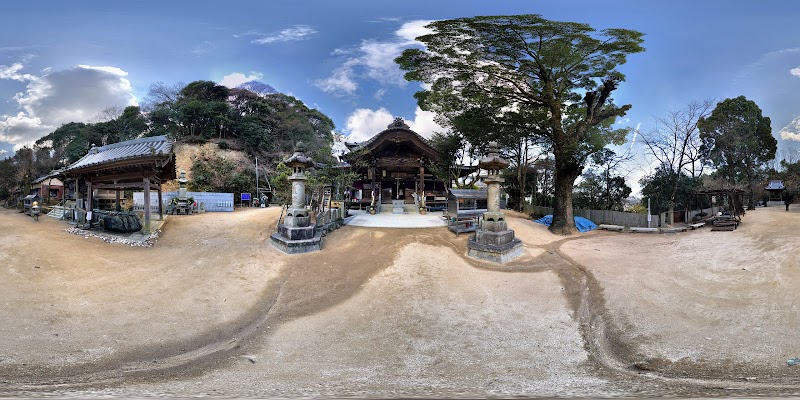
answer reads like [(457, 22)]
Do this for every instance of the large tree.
[(675, 143), (738, 140), (548, 78)]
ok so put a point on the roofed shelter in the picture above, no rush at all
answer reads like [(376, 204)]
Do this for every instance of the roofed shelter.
[(775, 188), (133, 164), (393, 165), (48, 187)]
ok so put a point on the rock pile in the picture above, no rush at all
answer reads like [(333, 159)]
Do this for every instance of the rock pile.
[(149, 242)]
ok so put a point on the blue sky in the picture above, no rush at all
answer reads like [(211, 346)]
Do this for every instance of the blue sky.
[(64, 61)]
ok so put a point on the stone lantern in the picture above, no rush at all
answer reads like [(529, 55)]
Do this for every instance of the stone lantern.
[(296, 234), (182, 185), (493, 240)]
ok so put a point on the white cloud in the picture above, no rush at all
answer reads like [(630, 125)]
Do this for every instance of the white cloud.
[(364, 123), (203, 48), (110, 70), (340, 82), (58, 97), (379, 94), (424, 124), (237, 78), (374, 59), (791, 131), (11, 72), (795, 71), (297, 32), (411, 30)]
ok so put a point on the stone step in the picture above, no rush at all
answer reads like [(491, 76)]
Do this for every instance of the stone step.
[(57, 212)]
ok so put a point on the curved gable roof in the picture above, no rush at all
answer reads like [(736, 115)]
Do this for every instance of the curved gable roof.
[(398, 132), (157, 147)]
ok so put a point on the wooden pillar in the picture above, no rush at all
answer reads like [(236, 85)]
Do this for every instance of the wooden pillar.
[(146, 227), (78, 198), (89, 200), (160, 205), (373, 173), (422, 184), (117, 206)]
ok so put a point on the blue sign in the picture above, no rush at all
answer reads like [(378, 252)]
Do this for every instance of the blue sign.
[(245, 196)]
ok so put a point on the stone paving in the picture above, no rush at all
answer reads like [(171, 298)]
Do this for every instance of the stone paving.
[(389, 220)]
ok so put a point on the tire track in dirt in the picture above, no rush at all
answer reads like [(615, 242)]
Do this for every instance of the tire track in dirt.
[(621, 359), (285, 300), (584, 293)]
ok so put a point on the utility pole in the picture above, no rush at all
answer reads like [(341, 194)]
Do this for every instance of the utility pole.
[(257, 196)]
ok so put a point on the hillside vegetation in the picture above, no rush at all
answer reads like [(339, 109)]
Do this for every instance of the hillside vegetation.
[(218, 132)]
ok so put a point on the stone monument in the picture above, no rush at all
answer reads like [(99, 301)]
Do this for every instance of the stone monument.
[(296, 234), (181, 203), (493, 240)]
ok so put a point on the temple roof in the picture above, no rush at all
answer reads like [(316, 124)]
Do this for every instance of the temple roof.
[(775, 185), (397, 131), (144, 148)]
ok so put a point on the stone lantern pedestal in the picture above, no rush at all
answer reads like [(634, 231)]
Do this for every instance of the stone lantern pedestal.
[(296, 234), (493, 241)]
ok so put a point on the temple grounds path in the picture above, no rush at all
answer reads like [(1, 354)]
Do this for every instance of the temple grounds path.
[(213, 309)]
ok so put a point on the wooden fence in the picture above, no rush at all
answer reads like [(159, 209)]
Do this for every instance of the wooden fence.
[(602, 216)]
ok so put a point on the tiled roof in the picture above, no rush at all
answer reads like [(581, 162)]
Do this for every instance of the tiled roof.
[(51, 174), (468, 193), (128, 150), (397, 125), (775, 185)]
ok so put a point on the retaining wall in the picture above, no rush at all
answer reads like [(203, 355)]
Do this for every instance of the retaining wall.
[(212, 201)]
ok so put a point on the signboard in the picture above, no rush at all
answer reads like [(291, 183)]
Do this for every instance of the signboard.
[(245, 196)]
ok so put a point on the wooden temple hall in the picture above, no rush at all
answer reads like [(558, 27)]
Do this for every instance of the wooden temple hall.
[(393, 168), (142, 164)]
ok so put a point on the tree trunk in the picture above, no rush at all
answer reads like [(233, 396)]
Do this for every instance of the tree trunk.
[(522, 186), (563, 218), (751, 202), (672, 195)]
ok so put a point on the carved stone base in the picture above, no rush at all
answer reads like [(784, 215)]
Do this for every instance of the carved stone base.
[(297, 217), (296, 246), (296, 233), (493, 252)]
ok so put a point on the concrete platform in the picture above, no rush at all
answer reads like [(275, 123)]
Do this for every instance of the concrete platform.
[(387, 220)]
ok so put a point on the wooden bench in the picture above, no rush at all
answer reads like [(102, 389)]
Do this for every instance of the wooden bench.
[(644, 230), (608, 227), (463, 224), (725, 224)]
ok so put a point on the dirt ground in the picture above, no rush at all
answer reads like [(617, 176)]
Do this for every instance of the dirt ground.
[(213, 309)]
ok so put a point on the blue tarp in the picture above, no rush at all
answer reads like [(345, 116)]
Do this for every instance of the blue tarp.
[(583, 224)]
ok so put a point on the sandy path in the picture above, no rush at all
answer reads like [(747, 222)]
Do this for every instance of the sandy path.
[(702, 303), (72, 301), (215, 309), (428, 324)]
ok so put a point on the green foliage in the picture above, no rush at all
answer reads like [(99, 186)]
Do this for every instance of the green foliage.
[(516, 77), (599, 192), (266, 127), (450, 147), (658, 188), (738, 140), (281, 187), (638, 209)]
